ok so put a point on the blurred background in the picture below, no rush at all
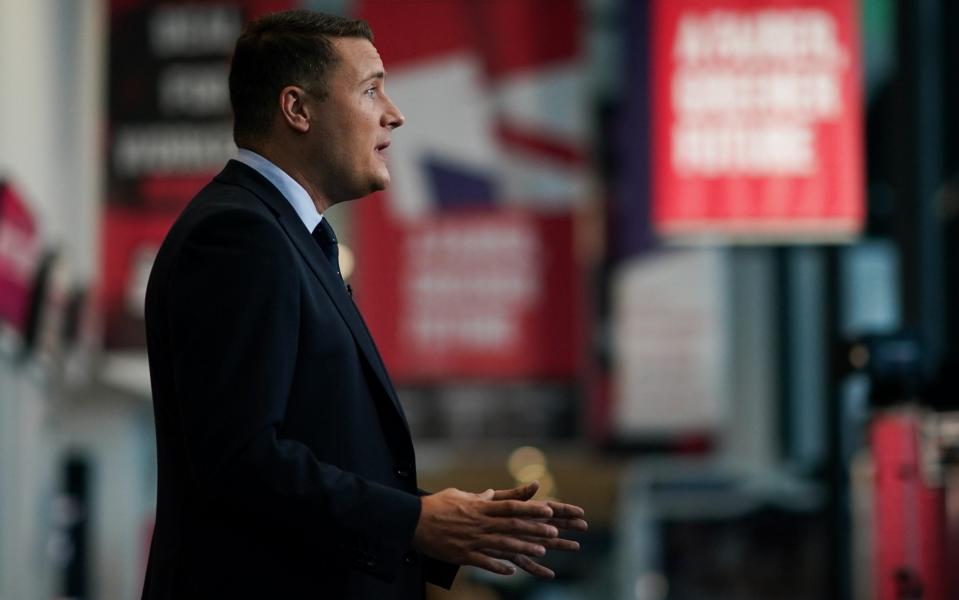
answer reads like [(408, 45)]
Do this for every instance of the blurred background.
[(688, 263)]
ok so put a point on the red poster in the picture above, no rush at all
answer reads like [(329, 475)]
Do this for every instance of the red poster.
[(756, 118), (485, 293)]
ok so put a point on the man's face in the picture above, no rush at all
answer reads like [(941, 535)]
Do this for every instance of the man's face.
[(350, 129)]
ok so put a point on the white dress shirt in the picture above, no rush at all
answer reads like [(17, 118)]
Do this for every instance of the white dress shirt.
[(289, 188)]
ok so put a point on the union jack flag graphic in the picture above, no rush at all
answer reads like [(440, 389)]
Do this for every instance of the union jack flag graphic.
[(468, 256)]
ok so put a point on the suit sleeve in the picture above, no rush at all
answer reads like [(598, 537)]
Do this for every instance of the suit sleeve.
[(234, 323)]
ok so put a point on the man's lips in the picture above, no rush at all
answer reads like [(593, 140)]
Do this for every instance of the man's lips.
[(380, 151)]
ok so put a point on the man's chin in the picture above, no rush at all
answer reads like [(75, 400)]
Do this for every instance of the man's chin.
[(381, 182)]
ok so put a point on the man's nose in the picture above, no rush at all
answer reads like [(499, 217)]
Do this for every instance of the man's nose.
[(393, 118)]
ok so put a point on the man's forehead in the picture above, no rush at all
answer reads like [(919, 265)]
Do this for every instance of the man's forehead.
[(359, 56)]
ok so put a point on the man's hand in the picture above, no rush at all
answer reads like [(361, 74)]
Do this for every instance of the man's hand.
[(470, 529), (565, 517)]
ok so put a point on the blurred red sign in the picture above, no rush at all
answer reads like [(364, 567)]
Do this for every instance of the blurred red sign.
[(757, 119), (19, 258), (482, 293), (909, 527)]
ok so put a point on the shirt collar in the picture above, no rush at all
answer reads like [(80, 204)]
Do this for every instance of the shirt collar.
[(288, 187)]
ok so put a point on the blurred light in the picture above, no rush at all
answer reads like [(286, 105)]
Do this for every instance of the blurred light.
[(347, 260), (547, 485), (651, 586), (527, 463), (530, 472), (859, 356)]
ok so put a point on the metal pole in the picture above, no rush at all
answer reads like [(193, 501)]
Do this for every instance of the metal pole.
[(921, 173), (835, 470)]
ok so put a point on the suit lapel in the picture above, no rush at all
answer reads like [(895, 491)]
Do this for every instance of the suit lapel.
[(335, 289), (240, 174)]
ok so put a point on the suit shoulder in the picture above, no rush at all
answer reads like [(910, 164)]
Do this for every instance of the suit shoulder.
[(223, 204), (219, 196), (223, 222)]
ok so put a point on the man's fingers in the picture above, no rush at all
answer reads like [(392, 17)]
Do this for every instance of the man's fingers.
[(566, 511), (518, 508), (532, 567), (554, 543), (568, 524), (563, 544), (512, 545), (517, 526), (524, 562), (478, 559), (524, 492)]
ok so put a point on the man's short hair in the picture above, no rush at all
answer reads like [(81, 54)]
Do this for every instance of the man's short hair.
[(281, 49)]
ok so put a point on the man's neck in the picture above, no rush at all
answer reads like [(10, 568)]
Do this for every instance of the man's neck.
[(290, 166)]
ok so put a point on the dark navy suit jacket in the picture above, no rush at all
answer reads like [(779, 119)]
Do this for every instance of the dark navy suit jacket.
[(285, 463)]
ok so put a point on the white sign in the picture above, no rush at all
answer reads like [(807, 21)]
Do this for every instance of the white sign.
[(669, 336)]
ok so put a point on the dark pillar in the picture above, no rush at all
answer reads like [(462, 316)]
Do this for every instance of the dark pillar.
[(919, 179)]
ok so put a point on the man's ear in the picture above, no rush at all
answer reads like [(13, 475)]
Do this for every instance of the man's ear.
[(293, 109)]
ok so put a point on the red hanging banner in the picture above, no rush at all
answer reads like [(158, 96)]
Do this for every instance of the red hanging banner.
[(756, 117)]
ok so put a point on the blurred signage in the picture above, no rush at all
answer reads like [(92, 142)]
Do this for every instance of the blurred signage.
[(479, 294), (20, 254), (465, 266), (171, 124), (757, 119), (170, 132), (668, 345), (909, 524)]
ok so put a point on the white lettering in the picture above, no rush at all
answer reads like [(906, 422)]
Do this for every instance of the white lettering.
[(176, 147), (195, 90), (801, 35), (778, 149), (750, 89), (191, 30), (469, 283)]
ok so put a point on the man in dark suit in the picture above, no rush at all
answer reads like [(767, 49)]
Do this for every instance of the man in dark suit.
[(286, 467)]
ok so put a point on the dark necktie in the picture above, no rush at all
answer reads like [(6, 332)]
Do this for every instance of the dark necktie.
[(324, 236)]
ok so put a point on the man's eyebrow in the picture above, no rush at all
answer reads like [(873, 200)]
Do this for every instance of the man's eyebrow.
[(374, 75)]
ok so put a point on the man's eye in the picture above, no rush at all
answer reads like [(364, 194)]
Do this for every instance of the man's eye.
[(371, 92)]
